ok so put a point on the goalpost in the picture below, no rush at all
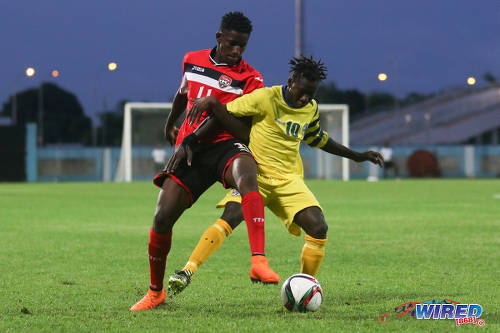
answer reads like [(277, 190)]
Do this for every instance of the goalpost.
[(143, 125), (334, 119), (124, 170)]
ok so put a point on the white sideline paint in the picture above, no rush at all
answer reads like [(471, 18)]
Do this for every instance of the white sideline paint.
[(496, 196)]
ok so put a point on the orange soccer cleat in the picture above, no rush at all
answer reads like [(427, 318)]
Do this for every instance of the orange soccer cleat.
[(261, 272), (150, 301)]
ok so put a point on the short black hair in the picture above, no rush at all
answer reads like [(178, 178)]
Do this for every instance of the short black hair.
[(308, 67), (236, 21)]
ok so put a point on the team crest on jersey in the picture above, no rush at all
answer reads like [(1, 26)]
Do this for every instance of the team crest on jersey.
[(225, 81)]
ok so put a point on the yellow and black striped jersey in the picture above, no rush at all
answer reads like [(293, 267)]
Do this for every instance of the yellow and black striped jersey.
[(277, 130)]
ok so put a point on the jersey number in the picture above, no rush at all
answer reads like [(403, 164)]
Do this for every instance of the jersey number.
[(292, 129), (200, 92)]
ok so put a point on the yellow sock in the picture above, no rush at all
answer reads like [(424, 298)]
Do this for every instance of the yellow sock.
[(209, 242), (312, 255)]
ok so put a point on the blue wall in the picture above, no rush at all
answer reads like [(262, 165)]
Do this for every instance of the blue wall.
[(78, 163)]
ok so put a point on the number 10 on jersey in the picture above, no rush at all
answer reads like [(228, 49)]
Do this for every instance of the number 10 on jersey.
[(292, 129)]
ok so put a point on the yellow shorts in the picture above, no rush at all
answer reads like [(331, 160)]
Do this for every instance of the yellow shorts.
[(284, 198)]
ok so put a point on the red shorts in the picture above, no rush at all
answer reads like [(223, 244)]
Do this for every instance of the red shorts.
[(209, 164)]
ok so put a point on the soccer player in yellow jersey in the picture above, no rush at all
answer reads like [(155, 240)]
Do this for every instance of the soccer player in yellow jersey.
[(282, 116)]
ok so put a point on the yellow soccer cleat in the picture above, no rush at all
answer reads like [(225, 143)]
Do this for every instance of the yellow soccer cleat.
[(150, 301)]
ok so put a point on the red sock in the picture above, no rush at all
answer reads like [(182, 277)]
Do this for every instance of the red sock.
[(159, 246), (253, 212)]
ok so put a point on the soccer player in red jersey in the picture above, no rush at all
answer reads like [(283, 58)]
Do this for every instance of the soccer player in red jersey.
[(219, 72)]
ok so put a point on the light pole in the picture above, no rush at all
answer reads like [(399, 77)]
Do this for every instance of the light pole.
[(40, 114), (29, 72), (111, 67), (382, 77), (41, 111), (299, 28), (427, 117)]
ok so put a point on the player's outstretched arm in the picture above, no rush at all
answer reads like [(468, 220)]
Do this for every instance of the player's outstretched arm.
[(239, 127), (336, 148)]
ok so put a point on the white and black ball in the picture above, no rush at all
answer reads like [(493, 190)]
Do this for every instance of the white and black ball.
[(301, 292)]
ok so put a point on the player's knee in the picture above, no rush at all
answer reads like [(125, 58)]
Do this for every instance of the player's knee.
[(312, 221), (162, 222), (233, 214), (318, 230), (247, 182)]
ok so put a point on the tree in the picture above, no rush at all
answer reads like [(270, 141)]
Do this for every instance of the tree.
[(414, 97), (110, 131), (357, 101), (63, 118), (489, 77), (378, 99), (328, 93)]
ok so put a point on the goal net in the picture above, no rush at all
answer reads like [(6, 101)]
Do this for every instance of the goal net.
[(143, 125)]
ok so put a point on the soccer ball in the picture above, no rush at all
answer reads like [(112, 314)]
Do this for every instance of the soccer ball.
[(301, 292)]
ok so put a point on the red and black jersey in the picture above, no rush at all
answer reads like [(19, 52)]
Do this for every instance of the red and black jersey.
[(203, 76)]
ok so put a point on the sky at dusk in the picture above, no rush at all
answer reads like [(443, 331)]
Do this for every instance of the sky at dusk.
[(424, 46)]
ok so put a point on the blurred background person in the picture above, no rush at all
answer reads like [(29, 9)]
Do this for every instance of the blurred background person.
[(386, 152), (159, 158)]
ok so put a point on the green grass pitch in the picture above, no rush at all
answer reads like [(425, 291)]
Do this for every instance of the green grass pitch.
[(73, 258)]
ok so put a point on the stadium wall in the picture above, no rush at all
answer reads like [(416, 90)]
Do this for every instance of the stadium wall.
[(49, 164)]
